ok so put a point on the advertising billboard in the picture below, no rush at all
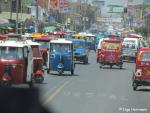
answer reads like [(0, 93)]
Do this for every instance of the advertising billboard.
[(115, 9), (98, 3)]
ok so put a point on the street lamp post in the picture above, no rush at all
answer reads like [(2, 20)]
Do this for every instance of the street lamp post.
[(11, 9)]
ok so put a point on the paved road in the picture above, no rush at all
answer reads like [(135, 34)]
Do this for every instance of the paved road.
[(95, 90)]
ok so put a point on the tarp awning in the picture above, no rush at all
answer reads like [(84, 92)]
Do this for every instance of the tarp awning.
[(3, 21)]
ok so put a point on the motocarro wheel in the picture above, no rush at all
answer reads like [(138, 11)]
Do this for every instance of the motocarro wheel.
[(120, 66), (72, 72), (85, 60), (5, 83), (97, 60), (60, 72), (30, 84), (110, 66), (134, 86), (48, 71), (100, 66), (39, 79)]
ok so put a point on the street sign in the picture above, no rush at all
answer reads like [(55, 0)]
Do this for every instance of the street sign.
[(115, 9)]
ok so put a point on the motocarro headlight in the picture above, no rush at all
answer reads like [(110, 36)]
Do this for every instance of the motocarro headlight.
[(138, 73)]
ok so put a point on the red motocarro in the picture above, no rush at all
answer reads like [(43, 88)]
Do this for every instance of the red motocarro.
[(37, 62), (141, 75), (3, 36), (111, 52), (99, 49), (44, 47), (16, 66)]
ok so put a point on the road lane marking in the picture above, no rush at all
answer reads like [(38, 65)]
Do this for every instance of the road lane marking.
[(57, 90), (53, 89)]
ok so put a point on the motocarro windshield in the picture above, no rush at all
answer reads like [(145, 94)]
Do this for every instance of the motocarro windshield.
[(129, 41), (79, 44), (11, 53), (145, 56), (36, 51), (111, 45), (129, 46), (44, 44), (90, 39), (60, 47)]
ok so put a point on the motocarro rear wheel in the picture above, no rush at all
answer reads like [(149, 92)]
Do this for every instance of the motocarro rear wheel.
[(30, 84), (48, 71), (85, 60), (134, 86), (120, 66), (72, 72), (100, 66), (110, 66), (39, 79), (5, 84)]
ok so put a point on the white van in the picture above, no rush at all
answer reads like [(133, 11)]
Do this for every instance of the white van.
[(130, 48)]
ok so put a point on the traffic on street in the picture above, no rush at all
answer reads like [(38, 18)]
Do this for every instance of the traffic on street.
[(73, 56)]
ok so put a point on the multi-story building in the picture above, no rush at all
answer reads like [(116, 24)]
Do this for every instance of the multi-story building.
[(5, 5)]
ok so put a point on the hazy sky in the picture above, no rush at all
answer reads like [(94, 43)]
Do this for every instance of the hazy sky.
[(117, 2), (114, 2), (120, 2)]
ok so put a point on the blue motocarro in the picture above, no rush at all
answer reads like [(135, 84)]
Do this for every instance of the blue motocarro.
[(80, 50), (61, 56), (90, 41)]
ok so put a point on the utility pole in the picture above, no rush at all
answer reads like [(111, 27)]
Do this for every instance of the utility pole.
[(37, 14), (17, 4), (11, 9), (85, 11)]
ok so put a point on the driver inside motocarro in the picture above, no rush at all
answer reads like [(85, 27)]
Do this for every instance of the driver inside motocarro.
[(61, 48)]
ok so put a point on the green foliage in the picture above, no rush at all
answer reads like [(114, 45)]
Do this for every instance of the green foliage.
[(26, 3), (143, 30)]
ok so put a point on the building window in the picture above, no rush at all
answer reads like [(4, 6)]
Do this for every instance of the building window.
[(14, 5)]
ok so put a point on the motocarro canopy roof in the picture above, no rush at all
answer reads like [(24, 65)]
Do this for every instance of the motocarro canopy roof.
[(36, 35), (61, 41), (133, 36), (45, 38), (30, 42)]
